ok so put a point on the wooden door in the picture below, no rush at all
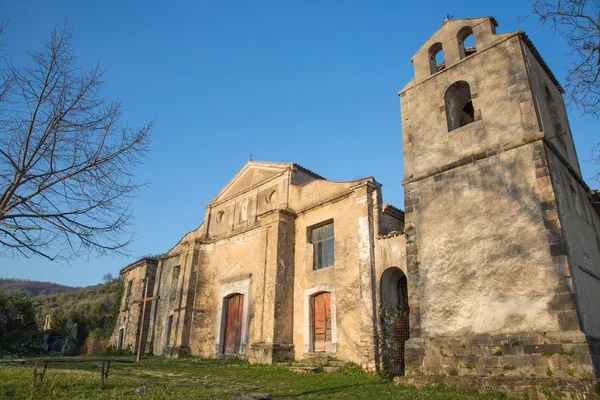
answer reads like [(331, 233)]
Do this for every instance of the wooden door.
[(233, 324), (322, 322)]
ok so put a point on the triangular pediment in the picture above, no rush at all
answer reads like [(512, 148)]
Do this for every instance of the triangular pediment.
[(251, 175)]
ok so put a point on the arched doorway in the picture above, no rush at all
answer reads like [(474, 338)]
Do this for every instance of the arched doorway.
[(232, 337), (394, 317)]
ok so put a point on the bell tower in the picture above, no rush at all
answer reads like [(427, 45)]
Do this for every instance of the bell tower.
[(493, 249)]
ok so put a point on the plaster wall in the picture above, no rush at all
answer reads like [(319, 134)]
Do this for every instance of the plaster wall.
[(353, 292), (130, 312), (485, 263)]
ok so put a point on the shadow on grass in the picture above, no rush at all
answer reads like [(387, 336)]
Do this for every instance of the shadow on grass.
[(330, 390)]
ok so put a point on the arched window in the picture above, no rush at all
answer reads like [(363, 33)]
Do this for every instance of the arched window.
[(394, 319), (436, 58), (466, 42), (459, 105)]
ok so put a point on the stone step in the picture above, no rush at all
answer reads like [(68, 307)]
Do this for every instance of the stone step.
[(332, 369), (337, 363), (302, 365), (304, 370)]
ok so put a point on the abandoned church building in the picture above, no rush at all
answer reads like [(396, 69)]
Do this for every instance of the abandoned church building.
[(492, 270)]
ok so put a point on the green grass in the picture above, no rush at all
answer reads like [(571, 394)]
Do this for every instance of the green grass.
[(193, 378)]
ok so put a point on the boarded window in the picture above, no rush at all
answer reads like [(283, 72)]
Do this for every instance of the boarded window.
[(322, 322), (323, 245)]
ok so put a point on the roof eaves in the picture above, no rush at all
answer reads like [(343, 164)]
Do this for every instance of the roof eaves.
[(308, 171), (538, 56)]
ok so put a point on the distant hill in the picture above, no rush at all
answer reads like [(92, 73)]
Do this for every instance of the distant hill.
[(91, 307), (32, 288)]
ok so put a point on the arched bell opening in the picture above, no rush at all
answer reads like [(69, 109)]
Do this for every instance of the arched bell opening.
[(394, 319), (459, 105)]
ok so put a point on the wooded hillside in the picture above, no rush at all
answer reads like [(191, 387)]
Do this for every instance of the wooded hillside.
[(32, 288), (94, 304)]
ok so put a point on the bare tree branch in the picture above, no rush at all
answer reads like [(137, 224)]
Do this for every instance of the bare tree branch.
[(578, 22), (66, 163)]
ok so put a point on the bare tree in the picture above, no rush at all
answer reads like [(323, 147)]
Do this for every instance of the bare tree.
[(66, 162), (108, 277), (578, 22)]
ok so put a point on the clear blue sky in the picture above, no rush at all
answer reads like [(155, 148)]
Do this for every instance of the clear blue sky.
[(314, 82)]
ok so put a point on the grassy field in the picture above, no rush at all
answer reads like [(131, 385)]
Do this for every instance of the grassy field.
[(193, 378)]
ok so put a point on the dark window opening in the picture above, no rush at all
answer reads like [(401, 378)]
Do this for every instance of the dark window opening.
[(459, 105), (436, 58), (128, 295), (322, 239)]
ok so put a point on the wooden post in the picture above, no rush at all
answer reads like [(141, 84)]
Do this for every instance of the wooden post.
[(43, 372), (34, 374), (144, 300), (102, 375)]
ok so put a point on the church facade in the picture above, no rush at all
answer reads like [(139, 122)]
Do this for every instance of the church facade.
[(284, 267), (490, 275)]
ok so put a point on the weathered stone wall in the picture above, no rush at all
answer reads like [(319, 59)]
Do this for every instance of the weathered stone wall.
[(477, 274), (580, 225), (350, 279), (539, 81), (170, 272), (490, 290), (130, 312), (501, 97), (224, 264)]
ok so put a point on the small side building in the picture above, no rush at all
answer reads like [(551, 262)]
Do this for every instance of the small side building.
[(134, 279)]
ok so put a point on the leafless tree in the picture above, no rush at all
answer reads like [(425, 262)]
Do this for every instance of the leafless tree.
[(578, 22), (66, 161), (108, 277)]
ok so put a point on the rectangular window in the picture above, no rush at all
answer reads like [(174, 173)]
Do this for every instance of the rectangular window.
[(174, 284), (577, 202), (128, 293), (587, 262), (321, 238)]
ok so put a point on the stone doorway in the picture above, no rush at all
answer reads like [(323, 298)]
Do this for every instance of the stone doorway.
[(394, 319), (321, 312), (234, 305), (120, 338), (168, 331)]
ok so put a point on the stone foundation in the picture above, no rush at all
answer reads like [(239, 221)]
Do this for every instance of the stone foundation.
[(267, 353), (177, 351), (515, 363), (530, 388)]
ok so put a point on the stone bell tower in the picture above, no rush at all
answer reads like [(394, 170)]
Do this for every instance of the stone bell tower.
[(502, 245)]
